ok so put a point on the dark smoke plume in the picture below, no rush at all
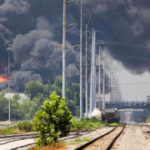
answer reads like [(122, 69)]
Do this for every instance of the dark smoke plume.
[(124, 26), (33, 28)]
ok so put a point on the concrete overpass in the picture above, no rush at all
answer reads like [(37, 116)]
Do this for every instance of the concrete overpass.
[(129, 105)]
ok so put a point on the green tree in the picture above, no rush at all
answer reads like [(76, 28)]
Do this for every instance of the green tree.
[(52, 120), (3, 107), (28, 108), (35, 88), (73, 98), (72, 94), (57, 86), (37, 93), (16, 112)]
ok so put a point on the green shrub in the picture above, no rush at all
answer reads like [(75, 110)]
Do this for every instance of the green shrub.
[(148, 119), (114, 124), (24, 126), (87, 124), (9, 131), (52, 120), (79, 140)]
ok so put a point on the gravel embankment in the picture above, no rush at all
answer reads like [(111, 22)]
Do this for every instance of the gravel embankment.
[(134, 138)]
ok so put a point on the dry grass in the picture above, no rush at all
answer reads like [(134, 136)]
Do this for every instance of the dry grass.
[(54, 146), (10, 130), (5, 122)]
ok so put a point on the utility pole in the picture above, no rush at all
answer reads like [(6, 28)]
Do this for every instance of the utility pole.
[(110, 85), (9, 116), (94, 69), (93, 76), (86, 72), (99, 78), (91, 83), (81, 82), (64, 51), (103, 104)]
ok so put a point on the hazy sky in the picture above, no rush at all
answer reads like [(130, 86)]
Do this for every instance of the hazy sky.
[(134, 87)]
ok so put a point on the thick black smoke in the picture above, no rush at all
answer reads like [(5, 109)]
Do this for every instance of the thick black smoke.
[(35, 38), (124, 25), (34, 30)]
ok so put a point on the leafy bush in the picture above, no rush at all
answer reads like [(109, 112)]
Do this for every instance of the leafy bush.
[(21, 127), (148, 119), (52, 120), (9, 130), (24, 126), (114, 124), (87, 124)]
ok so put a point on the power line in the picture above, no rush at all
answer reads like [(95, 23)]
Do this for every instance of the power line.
[(105, 42), (57, 9)]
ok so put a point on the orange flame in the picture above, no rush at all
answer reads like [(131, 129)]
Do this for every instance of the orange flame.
[(3, 79)]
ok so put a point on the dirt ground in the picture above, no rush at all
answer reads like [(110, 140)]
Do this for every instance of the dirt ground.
[(134, 138)]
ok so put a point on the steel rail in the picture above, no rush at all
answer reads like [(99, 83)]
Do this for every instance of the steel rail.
[(17, 137), (114, 140), (100, 137)]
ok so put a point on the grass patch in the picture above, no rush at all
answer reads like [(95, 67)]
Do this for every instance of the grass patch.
[(10, 130), (87, 124), (5, 122), (78, 141), (114, 124), (148, 119), (21, 127)]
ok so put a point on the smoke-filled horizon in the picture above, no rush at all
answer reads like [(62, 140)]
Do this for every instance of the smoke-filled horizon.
[(33, 28)]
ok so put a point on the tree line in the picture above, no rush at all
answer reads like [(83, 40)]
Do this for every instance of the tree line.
[(37, 92)]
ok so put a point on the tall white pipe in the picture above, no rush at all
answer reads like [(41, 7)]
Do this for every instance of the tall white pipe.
[(81, 61), (93, 75), (94, 69), (86, 72), (64, 51), (103, 103), (99, 77)]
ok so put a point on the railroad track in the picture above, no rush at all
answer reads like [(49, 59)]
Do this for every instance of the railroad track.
[(23, 141), (18, 141), (104, 142), (11, 142)]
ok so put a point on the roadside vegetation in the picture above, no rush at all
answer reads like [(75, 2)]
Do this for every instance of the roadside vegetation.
[(21, 127), (90, 124), (85, 124), (148, 119), (78, 141), (37, 92)]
